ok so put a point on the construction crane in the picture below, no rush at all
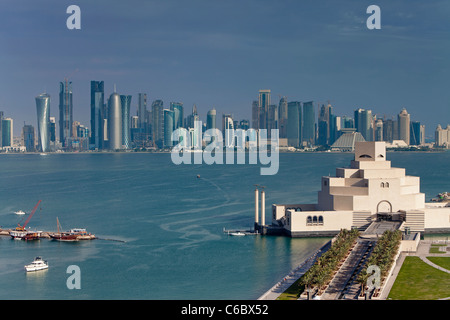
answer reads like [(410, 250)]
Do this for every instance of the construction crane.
[(22, 228)]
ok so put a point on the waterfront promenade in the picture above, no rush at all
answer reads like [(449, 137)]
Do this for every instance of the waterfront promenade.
[(288, 280), (342, 286)]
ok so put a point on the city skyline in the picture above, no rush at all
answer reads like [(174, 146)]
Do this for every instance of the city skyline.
[(219, 55)]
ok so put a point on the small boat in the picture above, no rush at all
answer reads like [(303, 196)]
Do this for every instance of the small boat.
[(74, 234), (36, 265), (20, 212), (64, 236), (25, 235), (237, 233), (198, 176)]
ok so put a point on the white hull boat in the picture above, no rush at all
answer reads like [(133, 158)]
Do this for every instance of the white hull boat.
[(36, 265)]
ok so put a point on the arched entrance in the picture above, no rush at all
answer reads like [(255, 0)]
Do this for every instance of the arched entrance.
[(384, 206)]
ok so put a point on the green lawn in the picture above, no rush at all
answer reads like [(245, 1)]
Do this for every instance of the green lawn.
[(293, 292), (434, 248), (420, 281), (443, 262)]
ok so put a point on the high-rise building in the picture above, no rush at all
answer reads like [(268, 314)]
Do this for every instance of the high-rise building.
[(442, 136), (1, 131), (178, 117), (403, 126), (282, 117), (43, 121), (364, 123), (272, 118), (52, 129), (125, 102), (263, 104), (379, 130), (324, 124), (228, 130), (65, 112), (388, 130), (169, 122), (142, 111), (416, 133), (294, 124), (158, 123), (7, 132), (97, 116), (28, 138), (255, 115), (114, 122), (309, 124), (211, 119)]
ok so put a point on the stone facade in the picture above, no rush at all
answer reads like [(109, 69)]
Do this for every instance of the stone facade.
[(369, 190)]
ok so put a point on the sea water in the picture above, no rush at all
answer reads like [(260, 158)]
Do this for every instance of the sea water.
[(169, 222)]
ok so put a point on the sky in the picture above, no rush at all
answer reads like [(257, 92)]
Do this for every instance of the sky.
[(219, 54)]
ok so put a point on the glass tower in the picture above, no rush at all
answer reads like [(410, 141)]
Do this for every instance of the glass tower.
[(294, 124), (43, 121), (7, 132), (169, 120), (309, 123), (97, 103), (211, 119), (115, 122), (177, 108), (65, 112), (158, 123), (125, 101)]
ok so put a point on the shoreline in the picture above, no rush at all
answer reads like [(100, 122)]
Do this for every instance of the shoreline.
[(246, 151)]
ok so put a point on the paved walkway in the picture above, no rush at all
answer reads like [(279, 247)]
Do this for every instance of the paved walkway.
[(281, 286), (423, 251)]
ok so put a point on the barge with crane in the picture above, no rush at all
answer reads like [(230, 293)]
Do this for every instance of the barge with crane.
[(22, 233)]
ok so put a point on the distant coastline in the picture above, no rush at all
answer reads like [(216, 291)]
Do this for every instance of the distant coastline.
[(397, 150)]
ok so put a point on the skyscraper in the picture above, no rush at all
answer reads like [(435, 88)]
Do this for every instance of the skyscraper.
[(1, 134), (364, 123), (294, 124), (403, 126), (177, 108), (97, 116), (255, 115), (309, 124), (142, 111), (28, 138), (43, 121), (263, 104), (65, 112), (228, 130), (7, 132), (125, 102), (272, 118), (379, 130), (169, 121), (114, 122), (158, 123), (211, 119), (415, 133), (324, 123), (283, 117)]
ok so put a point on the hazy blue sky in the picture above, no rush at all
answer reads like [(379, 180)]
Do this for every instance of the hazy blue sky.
[(220, 53)]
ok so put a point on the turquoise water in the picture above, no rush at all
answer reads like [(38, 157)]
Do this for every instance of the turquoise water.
[(171, 222)]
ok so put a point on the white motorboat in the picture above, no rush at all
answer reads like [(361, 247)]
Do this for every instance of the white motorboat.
[(37, 264), (20, 212), (238, 233)]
